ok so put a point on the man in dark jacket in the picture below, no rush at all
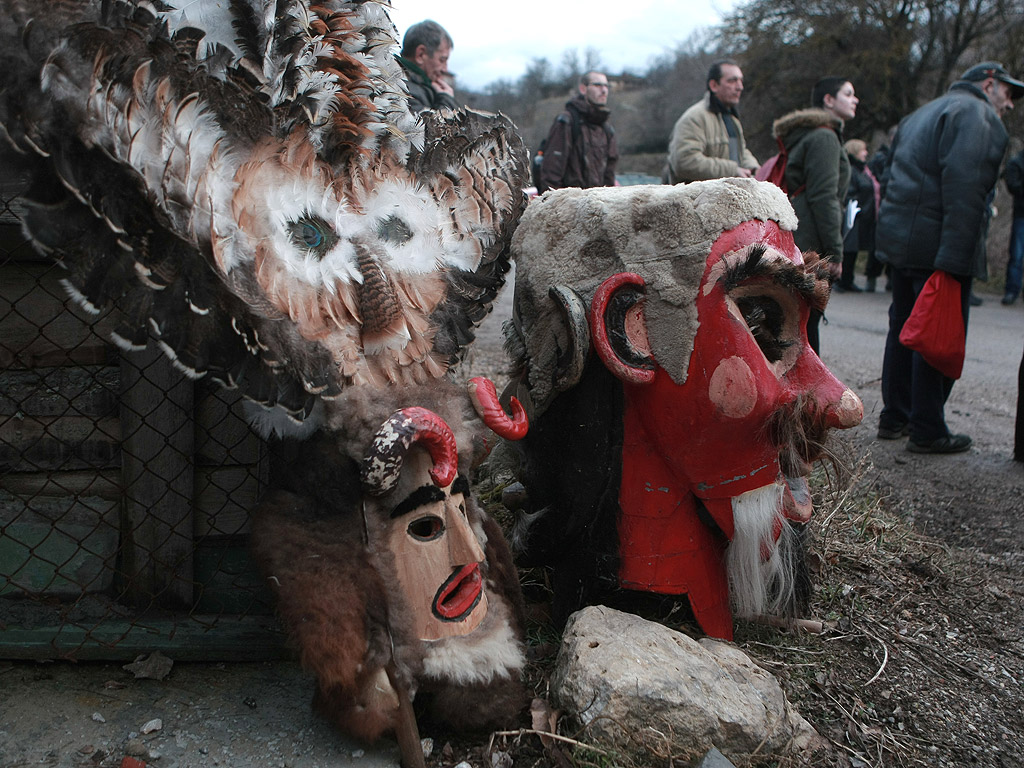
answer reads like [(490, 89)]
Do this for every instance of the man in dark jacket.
[(1013, 175), (581, 150), (424, 59), (935, 207)]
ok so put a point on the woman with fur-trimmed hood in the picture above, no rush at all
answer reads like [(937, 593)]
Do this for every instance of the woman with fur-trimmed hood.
[(818, 172)]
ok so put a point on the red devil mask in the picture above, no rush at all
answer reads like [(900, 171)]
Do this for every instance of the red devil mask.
[(755, 406)]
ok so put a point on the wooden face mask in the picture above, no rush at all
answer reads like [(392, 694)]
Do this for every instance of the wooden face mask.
[(431, 558), (437, 556)]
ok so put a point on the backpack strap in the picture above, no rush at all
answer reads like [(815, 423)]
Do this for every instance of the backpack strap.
[(577, 141)]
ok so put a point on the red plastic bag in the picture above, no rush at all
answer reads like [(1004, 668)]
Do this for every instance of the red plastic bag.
[(935, 327)]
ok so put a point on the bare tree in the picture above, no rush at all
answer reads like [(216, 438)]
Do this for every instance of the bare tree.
[(897, 54)]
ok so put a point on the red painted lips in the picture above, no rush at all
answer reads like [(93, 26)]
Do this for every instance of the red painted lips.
[(459, 595)]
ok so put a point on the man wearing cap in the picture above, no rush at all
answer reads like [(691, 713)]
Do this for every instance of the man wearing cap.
[(936, 200)]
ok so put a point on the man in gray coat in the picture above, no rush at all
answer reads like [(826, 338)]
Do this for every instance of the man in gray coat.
[(936, 194), (424, 59)]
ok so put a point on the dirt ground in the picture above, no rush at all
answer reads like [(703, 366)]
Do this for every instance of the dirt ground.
[(919, 580)]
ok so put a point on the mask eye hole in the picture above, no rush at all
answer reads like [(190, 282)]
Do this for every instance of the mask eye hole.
[(394, 230), (426, 528), (313, 235), (766, 320)]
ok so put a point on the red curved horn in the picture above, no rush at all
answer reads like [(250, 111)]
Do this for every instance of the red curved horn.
[(637, 370), (383, 461), (485, 402)]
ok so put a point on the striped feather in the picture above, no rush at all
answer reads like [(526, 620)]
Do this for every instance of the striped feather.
[(193, 149)]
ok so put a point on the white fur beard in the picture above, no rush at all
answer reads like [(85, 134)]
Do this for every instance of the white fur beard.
[(488, 652), (759, 586)]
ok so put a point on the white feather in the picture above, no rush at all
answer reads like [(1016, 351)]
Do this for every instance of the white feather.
[(276, 422)]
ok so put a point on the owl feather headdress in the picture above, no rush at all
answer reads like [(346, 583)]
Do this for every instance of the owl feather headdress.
[(245, 182)]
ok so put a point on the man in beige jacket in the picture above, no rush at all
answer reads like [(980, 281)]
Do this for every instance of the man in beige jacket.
[(707, 141)]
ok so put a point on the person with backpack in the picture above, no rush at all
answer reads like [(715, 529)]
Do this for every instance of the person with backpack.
[(707, 140), (817, 173), (580, 150)]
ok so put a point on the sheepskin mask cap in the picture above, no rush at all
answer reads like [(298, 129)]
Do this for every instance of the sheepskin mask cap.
[(578, 238)]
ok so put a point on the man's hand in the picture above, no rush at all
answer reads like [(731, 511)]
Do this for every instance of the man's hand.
[(442, 85), (745, 173)]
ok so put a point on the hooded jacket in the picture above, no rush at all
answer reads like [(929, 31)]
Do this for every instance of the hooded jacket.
[(817, 175), (562, 165), (935, 193)]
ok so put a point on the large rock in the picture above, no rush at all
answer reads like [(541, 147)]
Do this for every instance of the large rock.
[(642, 687)]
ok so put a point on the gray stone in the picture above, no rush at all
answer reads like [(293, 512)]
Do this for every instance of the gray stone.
[(641, 687), (715, 759)]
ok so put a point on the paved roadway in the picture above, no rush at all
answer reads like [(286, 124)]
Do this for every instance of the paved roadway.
[(983, 401)]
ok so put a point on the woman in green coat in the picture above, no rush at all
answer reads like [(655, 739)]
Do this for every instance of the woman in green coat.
[(818, 172)]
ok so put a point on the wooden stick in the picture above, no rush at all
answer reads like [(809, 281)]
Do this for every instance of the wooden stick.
[(813, 626), (555, 736), (406, 730)]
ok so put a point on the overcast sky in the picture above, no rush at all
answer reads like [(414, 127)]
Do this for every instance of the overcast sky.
[(498, 39)]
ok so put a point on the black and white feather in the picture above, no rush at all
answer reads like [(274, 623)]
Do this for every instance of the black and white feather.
[(245, 181)]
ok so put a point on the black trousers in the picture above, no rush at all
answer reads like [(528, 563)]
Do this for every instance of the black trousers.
[(1018, 432), (912, 391)]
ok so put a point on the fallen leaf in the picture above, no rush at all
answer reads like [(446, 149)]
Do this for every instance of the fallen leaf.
[(156, 666), (544, 719)]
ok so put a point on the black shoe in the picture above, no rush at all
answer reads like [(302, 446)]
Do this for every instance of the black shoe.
[(869, 287), (947, 444), (1009, 299), (893, 433), (839, 288), (976, 301)]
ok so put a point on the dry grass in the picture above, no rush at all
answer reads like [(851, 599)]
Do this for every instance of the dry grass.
[(921, 662)]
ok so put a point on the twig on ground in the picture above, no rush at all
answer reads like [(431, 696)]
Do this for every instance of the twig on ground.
[(555, 736), (885, 660), (926, 646), (813, 626)]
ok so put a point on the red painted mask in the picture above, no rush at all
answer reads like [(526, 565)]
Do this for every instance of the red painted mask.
[(696, 299), (751, 366), (756, 404)]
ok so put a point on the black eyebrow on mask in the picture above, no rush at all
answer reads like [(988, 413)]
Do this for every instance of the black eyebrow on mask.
[(461, 485), (782, 272), (425, 494)]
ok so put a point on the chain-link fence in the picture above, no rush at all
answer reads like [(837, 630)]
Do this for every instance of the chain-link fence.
[(125, 487)]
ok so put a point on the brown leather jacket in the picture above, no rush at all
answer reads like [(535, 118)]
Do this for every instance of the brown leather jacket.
[(564, 164)]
